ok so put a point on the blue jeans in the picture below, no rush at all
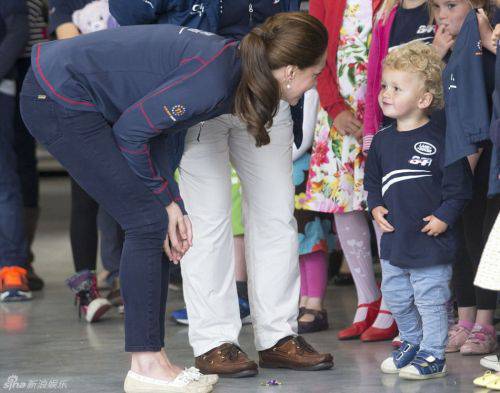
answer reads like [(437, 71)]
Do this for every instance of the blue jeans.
[(417, 298), (84, 144), (13, 247)]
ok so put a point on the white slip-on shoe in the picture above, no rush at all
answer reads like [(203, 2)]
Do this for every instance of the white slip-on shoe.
[(197, 376), (491, 362), (183, 383)]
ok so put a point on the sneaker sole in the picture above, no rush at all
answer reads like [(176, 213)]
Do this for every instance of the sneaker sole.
[(241, 374), (415, 377), (15, 296), (184, 322), (97, 311), (316, 367), (495, 366), (389, 370), (478, 353)]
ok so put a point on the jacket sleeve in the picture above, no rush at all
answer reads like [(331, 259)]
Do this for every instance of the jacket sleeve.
[(370, 125), (174, 103), (328, 87), (15, 16), (136, 12), (457, 191), (373, 177), (473, 102)]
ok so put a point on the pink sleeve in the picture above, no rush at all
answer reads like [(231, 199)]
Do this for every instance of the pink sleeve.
[(371, 116)]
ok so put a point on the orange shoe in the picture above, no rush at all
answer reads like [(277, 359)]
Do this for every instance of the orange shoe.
[(376, 334), (14, 284), (358, 328)]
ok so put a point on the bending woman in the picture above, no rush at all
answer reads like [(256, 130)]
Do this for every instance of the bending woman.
[(98, 102)]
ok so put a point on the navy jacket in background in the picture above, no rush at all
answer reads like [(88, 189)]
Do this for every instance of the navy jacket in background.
[(14, 34), (145, 80), (494, 184), (466, 102), (406, 173), (229, 18)]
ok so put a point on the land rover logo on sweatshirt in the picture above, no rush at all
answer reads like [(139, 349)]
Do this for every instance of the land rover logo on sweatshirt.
[(425, 148)]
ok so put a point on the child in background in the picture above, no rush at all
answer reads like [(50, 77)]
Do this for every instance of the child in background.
[(336, 171), (468, 83), (315, 230), (416, 201), (397, 23)]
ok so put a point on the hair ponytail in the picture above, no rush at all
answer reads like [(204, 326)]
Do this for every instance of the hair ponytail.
[(258, 94), (292, 38)]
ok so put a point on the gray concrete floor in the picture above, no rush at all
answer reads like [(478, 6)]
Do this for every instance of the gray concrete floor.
[(43, 340)]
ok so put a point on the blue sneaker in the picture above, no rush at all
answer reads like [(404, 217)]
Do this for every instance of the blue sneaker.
[(181, 317), (400, 358), (424, 366)]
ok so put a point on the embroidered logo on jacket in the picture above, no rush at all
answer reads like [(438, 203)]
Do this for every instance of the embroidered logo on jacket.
[(175, 112), (425, 148)]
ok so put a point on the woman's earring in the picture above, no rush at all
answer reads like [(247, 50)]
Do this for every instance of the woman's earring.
[(288, 85)]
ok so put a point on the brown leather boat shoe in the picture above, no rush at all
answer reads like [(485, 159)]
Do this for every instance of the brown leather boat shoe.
[(296, 354), (228, 361)]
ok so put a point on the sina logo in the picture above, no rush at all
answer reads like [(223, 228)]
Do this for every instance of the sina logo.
[(425, 148)]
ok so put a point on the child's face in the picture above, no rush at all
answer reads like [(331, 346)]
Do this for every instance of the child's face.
[(451, 14), (402, 95)]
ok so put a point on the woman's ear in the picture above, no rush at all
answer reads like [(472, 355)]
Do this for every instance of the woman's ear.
[(290, 72)]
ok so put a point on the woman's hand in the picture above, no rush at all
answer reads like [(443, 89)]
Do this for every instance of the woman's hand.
[(443, 41), (347, 123), (179, 236)]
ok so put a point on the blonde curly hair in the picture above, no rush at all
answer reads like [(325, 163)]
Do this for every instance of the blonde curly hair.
[(419, 58)]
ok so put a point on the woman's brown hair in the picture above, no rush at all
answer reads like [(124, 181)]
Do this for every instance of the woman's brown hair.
[(291, 38)]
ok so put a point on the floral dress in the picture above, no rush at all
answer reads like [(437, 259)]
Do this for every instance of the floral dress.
[(336, 171)]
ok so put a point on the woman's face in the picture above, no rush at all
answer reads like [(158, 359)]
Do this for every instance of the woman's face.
[(451, 14), (298, 81)]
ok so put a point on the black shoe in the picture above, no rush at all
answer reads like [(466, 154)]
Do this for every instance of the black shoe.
[(342, 279), (319, 323), (35, 283)]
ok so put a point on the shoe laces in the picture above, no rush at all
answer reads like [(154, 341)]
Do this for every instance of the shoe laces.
[(456, 329), (230, 351), (478, 336), (302, 345)]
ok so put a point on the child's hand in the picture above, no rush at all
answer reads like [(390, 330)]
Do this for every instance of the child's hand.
[(347, 123), (434, 226), (443, 41), (495, 36), (485, 30), (378, 214)]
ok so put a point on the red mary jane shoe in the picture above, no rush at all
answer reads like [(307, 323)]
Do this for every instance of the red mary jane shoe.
[(377, 334), (358, 328)]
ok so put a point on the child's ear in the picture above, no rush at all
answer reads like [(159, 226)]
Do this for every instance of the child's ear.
[(425, 100)]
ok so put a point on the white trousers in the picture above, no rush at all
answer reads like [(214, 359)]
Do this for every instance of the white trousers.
[(270, 232)]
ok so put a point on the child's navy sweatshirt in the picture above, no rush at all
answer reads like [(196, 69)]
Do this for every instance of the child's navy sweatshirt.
[(405, 172)]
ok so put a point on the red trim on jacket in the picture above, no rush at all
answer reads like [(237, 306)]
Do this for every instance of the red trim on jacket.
[(51, 88)]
